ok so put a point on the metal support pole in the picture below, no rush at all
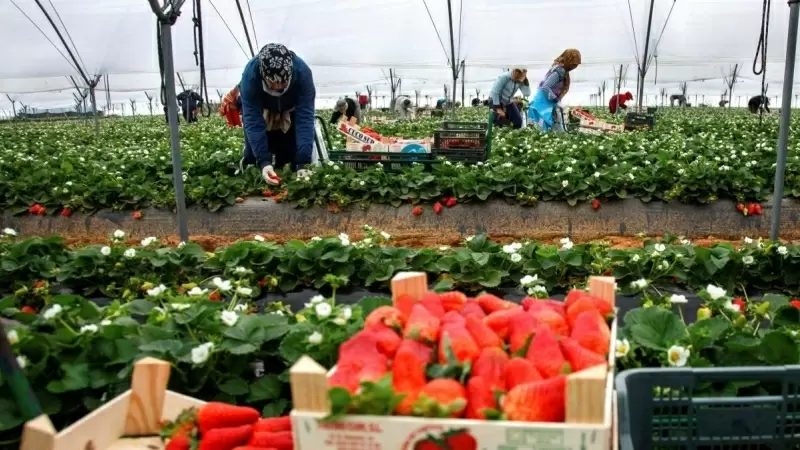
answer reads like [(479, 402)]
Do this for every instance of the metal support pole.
[(619, 88), (643, 66), (452, 55), (94, 113), (175, 140), (786, 115), (463, 81)]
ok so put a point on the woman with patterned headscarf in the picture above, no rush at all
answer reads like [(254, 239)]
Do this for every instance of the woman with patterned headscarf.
[(552, 89), (277, 92)]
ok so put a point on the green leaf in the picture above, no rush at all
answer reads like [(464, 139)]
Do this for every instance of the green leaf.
[(706, 332), (491, 278), (140, 307), (268, 387), (275, 409), (658, 329), (777, 348), (340, 402), (786, 316), (369, 304), (234, 386), (74, 378)]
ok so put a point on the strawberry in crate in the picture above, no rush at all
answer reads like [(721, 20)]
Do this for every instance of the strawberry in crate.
[(220, 426), (449, 356)]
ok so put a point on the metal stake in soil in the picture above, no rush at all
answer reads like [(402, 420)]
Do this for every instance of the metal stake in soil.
[(786, 115)]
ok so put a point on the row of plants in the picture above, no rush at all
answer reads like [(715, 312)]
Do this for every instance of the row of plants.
[(77, 355), (127, 269), (693, 156)]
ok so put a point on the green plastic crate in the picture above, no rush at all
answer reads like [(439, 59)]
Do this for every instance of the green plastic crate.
[(658, 409)]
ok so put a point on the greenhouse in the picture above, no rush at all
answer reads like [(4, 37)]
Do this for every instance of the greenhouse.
[(399, 225)]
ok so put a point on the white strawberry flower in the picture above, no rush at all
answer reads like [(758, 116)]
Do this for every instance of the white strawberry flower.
[(197, 291), (677, 355), (245, 291), (222, 285), (315, 338), (89, 329), (323, 310), (715, 292), (12, 337), (130, 253), (105, 250), (201, 353), (258, 238), (622, 348), (22, 361), (229, 318), (9, 232)]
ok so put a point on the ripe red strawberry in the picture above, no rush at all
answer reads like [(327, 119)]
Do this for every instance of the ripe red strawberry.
[(442, 397), (360, 346), (520, 371), (531, 304), (757, 209), (273, 424), (453, 318), (422, 325), (740, 207), (472, 308), (480, 398), (267, 193), (404, 303), (499, 321), (34, 209), (39, 284), (481, 333), (250, 447), (520, 328), (385, 315), (584, 303), (460, 439), (539, 401), (226, 438), (408, 373), (431, 302), (452, 301), (351, 373), (66, 212), (417, 211), (545, 353), (388, 341), (580, 358), (215, 296), (491, 366), (28, 309), (596, 204), (179, 441), (137, 215), (750, 209), (222, 415), (280, 440), (552, 319), (591, 332), (739, 303), (492, 303), (463, 346), (437, 208), (450, 202)]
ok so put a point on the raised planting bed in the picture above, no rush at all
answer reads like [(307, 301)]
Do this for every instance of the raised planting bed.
[(546, 220)]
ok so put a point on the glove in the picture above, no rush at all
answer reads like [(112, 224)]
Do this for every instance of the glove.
[(270, 176)]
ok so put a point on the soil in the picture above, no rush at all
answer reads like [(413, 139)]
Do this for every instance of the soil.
[(413, 240)]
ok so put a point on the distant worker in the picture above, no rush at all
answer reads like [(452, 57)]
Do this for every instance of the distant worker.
[(680, 98), (363, 101), (441, 103), (231, 108), (278, 96), (190, 101), (756, 102), (619, 101), (404, 107), (487, 102), (502, 96), (723, 103), (348, 108), (552, 90), (476, 102)]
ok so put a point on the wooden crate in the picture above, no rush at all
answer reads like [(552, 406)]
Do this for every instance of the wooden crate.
[(136, 414), (589, 415)]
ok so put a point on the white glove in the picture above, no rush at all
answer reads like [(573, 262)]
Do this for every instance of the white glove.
[(270, 176), (303, 173)]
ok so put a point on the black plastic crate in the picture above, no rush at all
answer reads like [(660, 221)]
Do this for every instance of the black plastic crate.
[(464, 156), (659, 409), (639, 121), (391, 161), (459, 140), (452, 126)]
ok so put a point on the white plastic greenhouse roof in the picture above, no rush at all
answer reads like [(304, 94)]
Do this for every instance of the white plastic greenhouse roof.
[(351, 44)]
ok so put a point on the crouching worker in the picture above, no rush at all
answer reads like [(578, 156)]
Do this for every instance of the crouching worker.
[(502, 96), (231, 108), (348, 108), (618, 102), (277, 92)]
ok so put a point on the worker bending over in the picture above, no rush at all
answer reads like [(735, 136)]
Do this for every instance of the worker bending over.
[(277, 91), (618, 101), (348, 108), (756, 102), (404, 107), (552, 90), (502, 96), (190, 102)]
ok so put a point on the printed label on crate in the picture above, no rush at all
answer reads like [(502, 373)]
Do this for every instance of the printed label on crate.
[(410, 147), (409, 433), (355, 133)]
